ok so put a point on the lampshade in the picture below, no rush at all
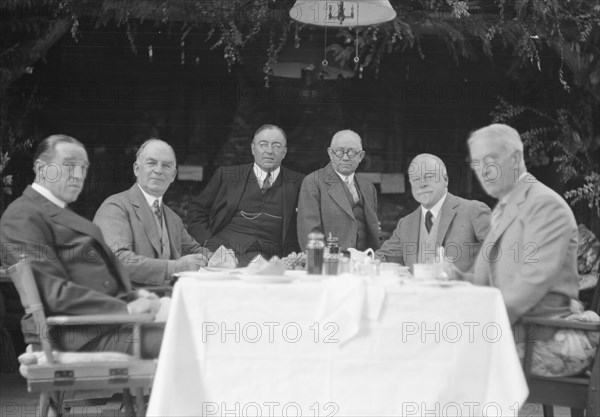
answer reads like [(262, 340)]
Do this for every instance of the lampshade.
[(291, 62), (342, 13)]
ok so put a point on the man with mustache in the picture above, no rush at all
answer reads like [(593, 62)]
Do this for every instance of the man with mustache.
[(147, 236), (443, 219), (251, 208)]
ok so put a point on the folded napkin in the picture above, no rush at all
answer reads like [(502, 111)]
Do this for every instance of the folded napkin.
[(163, 311), (260, 266), (223, 258), (345, 301)]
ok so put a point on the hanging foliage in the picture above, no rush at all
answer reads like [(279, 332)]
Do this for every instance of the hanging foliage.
[(469, 27), (564, 139)]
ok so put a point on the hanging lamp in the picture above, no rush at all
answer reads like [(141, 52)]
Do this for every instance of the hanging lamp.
[(342, 13)]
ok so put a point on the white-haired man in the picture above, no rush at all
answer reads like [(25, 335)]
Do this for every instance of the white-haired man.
[(442, 220), (530, 254)]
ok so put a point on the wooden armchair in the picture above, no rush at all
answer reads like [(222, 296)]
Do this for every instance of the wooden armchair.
[(85, 371), (580, 392)]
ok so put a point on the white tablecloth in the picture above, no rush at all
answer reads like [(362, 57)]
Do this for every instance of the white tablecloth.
[(237, 348)]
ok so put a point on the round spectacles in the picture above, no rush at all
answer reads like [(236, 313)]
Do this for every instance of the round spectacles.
[(350, 152), (275, 146)]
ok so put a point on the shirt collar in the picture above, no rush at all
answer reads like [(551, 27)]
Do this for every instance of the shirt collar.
[(435, 210), (150, 198), (48, 194), (261, 175), (344, 177), (508, 196)]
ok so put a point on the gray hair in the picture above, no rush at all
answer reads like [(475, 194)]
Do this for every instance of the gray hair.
[(143, 146), (503, 134), (346, 132), (442, 166), (46, 149)]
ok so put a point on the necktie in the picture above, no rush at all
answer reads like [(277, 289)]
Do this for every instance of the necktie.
[(497, 214), (352, 189), (266, 183), (157, 211), (428, 221)]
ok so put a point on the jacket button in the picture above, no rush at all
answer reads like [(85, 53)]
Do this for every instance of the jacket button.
[(106, 284)]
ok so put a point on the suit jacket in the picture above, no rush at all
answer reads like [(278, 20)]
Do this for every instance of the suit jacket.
[(130, 230), (463, 225), (213, 209), (323, 206), (76, 273), (531, 256)]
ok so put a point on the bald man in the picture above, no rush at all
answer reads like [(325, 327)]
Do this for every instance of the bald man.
[(442, 220), (334, 200)]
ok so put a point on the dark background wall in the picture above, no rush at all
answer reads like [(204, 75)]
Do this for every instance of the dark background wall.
[(111, 98)]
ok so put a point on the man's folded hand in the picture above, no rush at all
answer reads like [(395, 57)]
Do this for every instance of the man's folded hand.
[(192, 262), (144, 305)]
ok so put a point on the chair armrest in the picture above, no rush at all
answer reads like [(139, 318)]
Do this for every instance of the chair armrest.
[(567, 324), (99, 319)]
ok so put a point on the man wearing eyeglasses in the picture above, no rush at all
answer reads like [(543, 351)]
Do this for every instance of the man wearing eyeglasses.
[(251, 208), (333, 200), (442, 220)]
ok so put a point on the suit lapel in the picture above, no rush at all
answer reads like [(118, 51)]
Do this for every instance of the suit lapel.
[(413, 224), (447, 213), (289, 200), (236, 188), (172, 230), (336, 190), (144, 213), (72, 220), (511, 210), (66, 217)]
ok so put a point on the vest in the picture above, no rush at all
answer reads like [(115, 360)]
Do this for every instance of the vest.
[(258, 216), (358, 210)]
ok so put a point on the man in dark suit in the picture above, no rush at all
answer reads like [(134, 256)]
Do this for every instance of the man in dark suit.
[(146, 235), (459, 225), (251, 208), (334, 200), (75, 271)]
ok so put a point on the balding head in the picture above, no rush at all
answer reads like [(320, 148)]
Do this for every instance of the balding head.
[(346, 151), (428, 179)]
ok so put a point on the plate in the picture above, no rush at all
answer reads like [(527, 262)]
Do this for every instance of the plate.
[(207, 275), (267, 279), (299, 273), (439, 283)]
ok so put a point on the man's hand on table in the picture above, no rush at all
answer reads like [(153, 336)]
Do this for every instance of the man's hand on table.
[(192, 262), (455, 274)]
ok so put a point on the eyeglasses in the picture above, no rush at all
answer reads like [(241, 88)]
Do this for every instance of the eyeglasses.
[(275, 146), (340, 153), (427, 178)]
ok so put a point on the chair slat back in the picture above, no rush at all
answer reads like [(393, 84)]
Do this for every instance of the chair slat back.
[(22, 277)]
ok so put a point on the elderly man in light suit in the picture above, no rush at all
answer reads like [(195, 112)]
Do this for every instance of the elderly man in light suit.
[(333, 200), (147, 236), (530, 254), (442, 220)]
